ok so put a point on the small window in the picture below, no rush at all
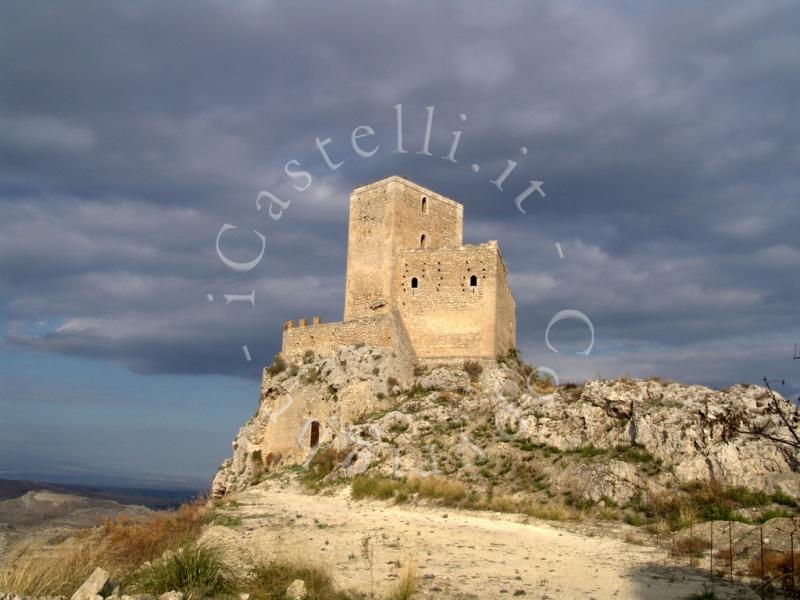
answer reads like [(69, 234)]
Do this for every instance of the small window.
[(414, 283), (422, 241), (424, 205), (473, 280)]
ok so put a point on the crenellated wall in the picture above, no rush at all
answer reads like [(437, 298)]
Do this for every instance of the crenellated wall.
[(327, 338)]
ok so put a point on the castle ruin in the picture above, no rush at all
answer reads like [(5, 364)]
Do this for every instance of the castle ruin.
[(415, 296), (412, 285)]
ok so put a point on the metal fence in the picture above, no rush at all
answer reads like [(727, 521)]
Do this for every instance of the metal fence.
[(767, 565)]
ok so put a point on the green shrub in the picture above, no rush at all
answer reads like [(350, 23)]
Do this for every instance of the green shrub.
[(311, 375), (588, 451), (745, 497), (278, 365), (228, 521), (308, 357), (510, 358), (633, 454), (634, 519), (780, 497), (196, 570), (718, 511), (322, 464), (399, 428), (772, 513), (418, 390), (268, 581)]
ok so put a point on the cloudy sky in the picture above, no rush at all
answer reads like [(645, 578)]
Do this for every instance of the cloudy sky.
[(666, 135)]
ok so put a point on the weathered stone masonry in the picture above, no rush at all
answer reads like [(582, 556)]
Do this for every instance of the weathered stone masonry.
[(414, 294), (412, 285)]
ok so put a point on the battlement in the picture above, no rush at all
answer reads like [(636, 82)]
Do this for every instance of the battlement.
[(302, 323)]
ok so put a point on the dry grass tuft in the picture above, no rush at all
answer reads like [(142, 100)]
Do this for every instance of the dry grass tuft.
[(554, 511), (408, 583), (449, 491), (691, 545), (34, 569), (776, 563), (118, 545), (130, 543), (503, 504), (473, 368)]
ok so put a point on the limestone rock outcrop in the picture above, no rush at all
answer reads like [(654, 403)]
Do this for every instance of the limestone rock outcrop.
[(604, 441), (322, 394)]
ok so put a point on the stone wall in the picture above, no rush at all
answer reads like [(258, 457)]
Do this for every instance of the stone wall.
[(327, 338), (449, 314), (505, 311), (400, 232)]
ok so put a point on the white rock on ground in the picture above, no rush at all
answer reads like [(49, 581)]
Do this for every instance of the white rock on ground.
[(90, 589), (297, 590)]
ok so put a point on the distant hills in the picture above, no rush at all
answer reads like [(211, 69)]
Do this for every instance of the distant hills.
[(151, 497)]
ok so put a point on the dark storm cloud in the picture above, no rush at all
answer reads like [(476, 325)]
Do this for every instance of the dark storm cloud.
[(667, 137)]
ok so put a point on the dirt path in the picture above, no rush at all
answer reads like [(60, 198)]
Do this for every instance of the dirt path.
[(459, 554)]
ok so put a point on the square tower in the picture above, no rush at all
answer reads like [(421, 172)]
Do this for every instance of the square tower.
[(387, 217)]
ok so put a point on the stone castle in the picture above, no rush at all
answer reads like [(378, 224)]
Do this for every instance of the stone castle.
[(415, 296), (412, 285)]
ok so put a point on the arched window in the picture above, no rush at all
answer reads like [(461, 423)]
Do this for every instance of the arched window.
[(473, 280), (424, 205), (314, 434), (414, 283), (422, 241)]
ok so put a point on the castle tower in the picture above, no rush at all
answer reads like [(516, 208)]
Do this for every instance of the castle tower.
[(412, 285), (387, 217)]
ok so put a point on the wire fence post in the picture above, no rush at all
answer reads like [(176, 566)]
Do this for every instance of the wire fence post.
[(672, 550), (711, 551), (761, 537), (691, 540), (730, 548), (791, 561), (658, 534)]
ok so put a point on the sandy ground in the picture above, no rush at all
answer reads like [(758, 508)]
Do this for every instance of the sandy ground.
[(459, 554)]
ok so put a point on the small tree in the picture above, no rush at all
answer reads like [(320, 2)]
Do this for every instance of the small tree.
[(784, 434)]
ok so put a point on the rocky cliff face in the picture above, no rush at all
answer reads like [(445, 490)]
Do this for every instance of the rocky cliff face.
[(604, 441), (335, 390)]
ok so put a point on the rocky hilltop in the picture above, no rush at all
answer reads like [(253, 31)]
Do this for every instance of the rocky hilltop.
[(500, 427)]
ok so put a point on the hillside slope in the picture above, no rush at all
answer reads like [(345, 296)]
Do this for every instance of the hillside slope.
[(503, 428)]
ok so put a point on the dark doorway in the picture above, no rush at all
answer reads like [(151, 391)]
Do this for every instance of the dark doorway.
[(314, 434), (473, 280), (414, 282)]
